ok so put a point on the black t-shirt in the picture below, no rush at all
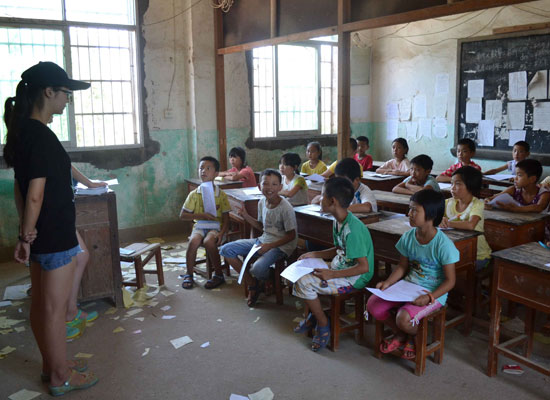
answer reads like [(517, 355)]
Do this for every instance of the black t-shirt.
[(39, 154)]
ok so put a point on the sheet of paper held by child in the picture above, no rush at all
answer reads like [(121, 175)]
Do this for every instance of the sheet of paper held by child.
[(302, 267), (399, 291), (252, 251), (315, 178), (209, 203), (504, 198), (500, 177)]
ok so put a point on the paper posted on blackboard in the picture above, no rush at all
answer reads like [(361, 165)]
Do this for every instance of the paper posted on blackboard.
[(475, 88), (538, 85), (493, 111), (515, 136), (473, 110), (516, 115), (541, 116), (486, 132), (517, 85)]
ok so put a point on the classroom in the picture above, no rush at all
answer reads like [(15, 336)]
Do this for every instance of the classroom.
[(198, 132)]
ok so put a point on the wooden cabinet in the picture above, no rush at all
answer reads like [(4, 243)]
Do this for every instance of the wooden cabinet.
[(96, 221)]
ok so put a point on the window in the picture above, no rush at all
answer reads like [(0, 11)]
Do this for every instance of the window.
[(95, 42), (295, 89)]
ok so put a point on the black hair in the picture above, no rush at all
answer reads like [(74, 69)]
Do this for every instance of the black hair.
[(363, 139), (471, 177), (340, 189), (531, 167), (348, 168), (402, 142), (319, 148), (213, 161), (433, 203), (293, 160), (16, 110), (424, 161), (524, 144), (467, 142), (238, 152), (353, 143), (271, 172)]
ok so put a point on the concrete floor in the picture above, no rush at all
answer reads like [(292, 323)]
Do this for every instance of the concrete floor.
[(246, 355)]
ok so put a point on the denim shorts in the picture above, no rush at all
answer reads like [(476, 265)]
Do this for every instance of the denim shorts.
[(51, 261)]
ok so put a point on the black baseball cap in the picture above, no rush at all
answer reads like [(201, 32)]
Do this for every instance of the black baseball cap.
[(47, 73)]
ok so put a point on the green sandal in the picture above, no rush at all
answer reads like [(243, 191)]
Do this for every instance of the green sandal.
[(90, 380), (72, 332), (78, 320), (321, 337), (79, 366)]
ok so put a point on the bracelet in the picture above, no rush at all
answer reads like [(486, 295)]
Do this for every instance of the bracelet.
[(22, 239), (431, 296)]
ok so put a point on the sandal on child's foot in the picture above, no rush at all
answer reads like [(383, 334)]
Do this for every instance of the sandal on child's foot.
[(321, 337), (253, 294), (306, 324), (89, 380), (188, 282), (409, 351), (216, 281), (391, 344)]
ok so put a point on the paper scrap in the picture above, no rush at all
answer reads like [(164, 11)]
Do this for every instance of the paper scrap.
[(405, 109), (83, 355), (298, 305), (392, 128), (219, 320), (399, 291), (392, 110), (205, 344), (264, 394), (475, 88), (133, 312), (5, 303), (137, 331), (167, 293), (127, 298), (517, 85), (119, 329), (516, 136), (237, 397), (516, 115), (256, 320), (6, 322), (19, 329), (441, 84), (5, 331), (115, 318), (419, 106), (111, 310), (298, 320), (141, 319), (537, 85), (168, 316), (146, 351), (493, 111), (486, 132), (252, 251), (5, 351), (302, 267), (24, 394), (166, 308), (174, 260), (16, 292), (155, 240), (440, 106), (541, 116), (182, 341), (439, 127), (473, 110)]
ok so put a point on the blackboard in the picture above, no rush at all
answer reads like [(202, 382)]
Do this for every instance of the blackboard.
[(492, 59)]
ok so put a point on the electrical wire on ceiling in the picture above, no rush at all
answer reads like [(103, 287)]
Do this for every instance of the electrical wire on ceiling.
[(224, 5)]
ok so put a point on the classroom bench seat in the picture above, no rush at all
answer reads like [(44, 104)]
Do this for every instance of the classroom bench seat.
[(150, 251)]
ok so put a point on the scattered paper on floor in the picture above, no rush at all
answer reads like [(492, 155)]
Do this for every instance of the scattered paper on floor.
[(127, 298), (264, 394), (119, 329), (219, 320), (146, 351), (165, 308), (155, 240), (237, 397), (16, 303), (174, 260), (24, 394), (116, 318), (5, 303), (167, 247), (6, 322), (141, 319), (205, 344), (19, 329), (299, 305), (257, 319), (83, 355), (5, 351), (133, 312), (136, 332), (111, 310), (168, 316), (167, 293), (182, 341), (16, 292), (5, 331)]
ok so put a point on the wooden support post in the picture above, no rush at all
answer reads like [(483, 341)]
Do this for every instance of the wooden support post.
[(220, 88), (273, 19), (343, 79)]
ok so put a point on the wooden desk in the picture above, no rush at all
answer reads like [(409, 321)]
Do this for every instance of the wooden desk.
[(520, 276), (394, 202), (96, 221), (313, 189), (317, 227), (385, 235), (504, 229), (505, 183), (381, 183), (239, 199), (193, 183)]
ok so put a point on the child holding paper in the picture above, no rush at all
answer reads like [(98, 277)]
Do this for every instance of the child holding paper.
[(277, 222), (209, 207), (352, 261), (239, 171), (428, 259), (520, 152)]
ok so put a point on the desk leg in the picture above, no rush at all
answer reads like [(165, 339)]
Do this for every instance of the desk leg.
[(470, 294), (529, 330), (494, 332)]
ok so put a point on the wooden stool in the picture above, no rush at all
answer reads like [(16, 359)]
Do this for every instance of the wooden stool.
[(423, 349), (338, 321), (152, 249), (277, 280)]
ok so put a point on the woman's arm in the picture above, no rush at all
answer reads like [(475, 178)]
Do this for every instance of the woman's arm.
[(32, 207), (19, 204), (80, 177)]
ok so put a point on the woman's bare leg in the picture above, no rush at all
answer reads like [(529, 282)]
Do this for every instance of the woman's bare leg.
[(81, 261)]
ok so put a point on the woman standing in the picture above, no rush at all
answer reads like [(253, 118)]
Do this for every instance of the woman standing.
[(45, 203)]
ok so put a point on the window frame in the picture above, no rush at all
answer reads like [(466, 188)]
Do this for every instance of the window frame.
[(294, 134), (64, 26)]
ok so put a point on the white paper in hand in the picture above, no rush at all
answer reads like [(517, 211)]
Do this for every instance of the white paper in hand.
[(400, 291), (503, 198), (302, 267), (208, 201), (500, 177), (315, 178), (252, 251)]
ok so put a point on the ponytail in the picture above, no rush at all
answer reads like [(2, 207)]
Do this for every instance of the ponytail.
[(16, 110)]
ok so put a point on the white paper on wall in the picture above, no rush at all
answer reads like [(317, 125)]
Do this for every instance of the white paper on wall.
[(486, 132), (392, 111), (517, 85), (440, 106), (473, 110), (439, 128), (424, 128), (515, 136), (419, 106), (541, 116), (441, 84), (537, 88), (493, 111), (475, 88), (411, 127), (392, 127), (516, 115), (358, 108), (405, 106)]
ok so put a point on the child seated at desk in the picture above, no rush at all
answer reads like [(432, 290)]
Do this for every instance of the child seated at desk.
[(352, 261), (421, 167), (277, 222), (294, 184), (361, 156), (465, 150), (530, 196), (399, 164), (210, 236), (314, 163), (465, 211), (351, 153), (239, 170), (520, 152), (428, 259)]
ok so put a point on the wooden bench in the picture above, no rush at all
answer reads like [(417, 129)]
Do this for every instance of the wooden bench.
[(150, 251)]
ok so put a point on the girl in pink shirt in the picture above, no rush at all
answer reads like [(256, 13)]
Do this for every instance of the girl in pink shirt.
[(239, 171)]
